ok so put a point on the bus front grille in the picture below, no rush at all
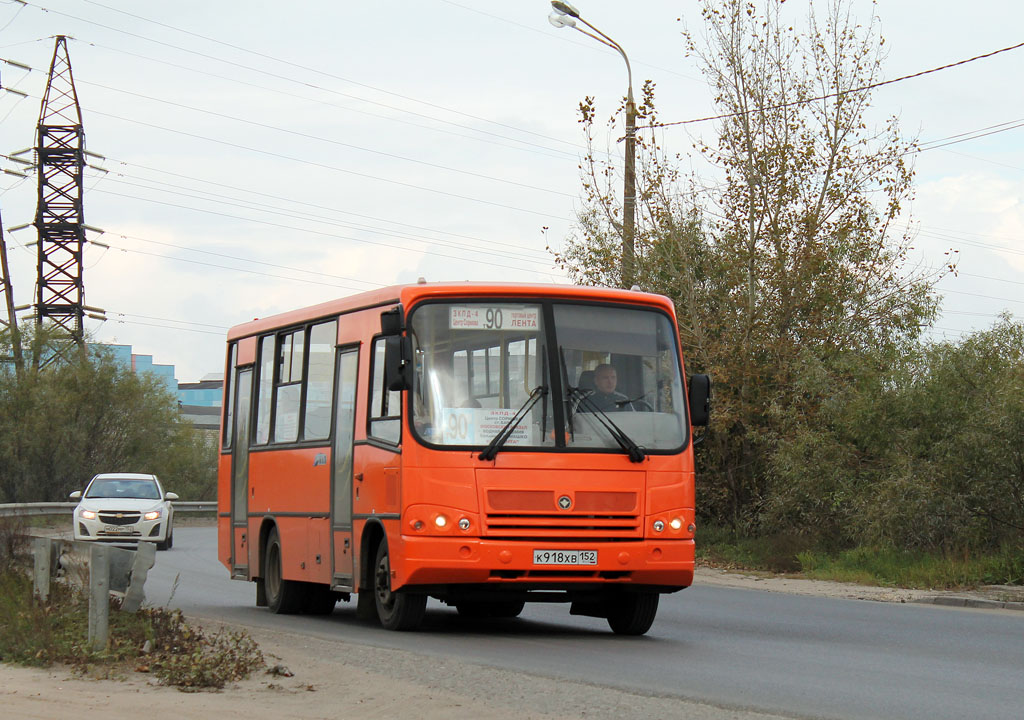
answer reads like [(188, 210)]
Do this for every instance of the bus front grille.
[(570, 513), (554, 525)]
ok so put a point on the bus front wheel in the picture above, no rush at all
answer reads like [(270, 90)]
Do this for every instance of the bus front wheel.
[(632, 613), (396, 610), (283, 596)]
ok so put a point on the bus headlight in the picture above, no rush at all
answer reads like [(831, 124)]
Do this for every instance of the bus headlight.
[(441, 521), (675, 523), (659, 526), (464, 524)]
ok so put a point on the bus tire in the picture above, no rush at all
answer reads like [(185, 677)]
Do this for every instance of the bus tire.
[(320, 599), (366, 605), (284, 597), (493, 609), (396, 610), (632, 613)]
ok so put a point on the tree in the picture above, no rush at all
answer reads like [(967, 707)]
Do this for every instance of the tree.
[(62, 425), (786, 269)]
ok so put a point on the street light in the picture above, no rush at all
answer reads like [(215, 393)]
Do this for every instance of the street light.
[(565, 15)]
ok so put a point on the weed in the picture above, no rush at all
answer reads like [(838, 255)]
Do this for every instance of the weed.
[(884, 566), (153, 640), (13, 541)]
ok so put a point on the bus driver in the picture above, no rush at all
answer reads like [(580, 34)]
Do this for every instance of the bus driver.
[(604, 397)]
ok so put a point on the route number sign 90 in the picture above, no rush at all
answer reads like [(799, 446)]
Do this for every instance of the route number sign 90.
[(494, 317)]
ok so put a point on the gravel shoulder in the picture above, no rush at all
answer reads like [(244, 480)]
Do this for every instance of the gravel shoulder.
[(991, 597), (336, 680)]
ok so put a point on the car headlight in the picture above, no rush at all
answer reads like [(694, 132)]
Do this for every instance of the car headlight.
[(87, 514), (152, 515)]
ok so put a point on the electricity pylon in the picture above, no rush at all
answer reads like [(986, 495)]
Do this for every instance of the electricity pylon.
[(60, 157)]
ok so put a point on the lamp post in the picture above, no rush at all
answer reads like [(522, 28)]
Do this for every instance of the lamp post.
[(565, 15)]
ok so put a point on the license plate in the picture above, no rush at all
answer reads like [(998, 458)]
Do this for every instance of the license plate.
[(565, 557), (118, 529)]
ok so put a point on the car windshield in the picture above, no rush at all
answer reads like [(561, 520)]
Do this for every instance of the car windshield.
[(477, 362), (109, 488)]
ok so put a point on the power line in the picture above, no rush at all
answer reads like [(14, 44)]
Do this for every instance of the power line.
[(251, 191), (241, 259), (169, 327), (224, 200), (563, 38), (279, 61), (325, 166), (978, 295), (162, 319), (331, 141), (972, 135), (313, 232), (235, 269), (862, 88), (523, 145)]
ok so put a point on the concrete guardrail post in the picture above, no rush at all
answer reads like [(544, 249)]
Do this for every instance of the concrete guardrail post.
[(99, 596), (42, 568)]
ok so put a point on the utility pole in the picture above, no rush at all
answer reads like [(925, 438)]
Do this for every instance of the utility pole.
[(11, 323), (629, 192), (60, 157), (565, 15)]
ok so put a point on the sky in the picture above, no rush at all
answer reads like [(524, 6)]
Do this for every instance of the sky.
[(259, 156)]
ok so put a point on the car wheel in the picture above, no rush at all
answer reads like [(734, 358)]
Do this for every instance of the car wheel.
[(283, 596), (396, 610)]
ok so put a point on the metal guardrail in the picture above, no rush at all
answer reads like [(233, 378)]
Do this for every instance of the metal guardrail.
[(62, 508), (110, 569)]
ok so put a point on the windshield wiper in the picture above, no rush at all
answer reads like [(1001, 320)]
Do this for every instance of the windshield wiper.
[(508, 428), (635, 452)]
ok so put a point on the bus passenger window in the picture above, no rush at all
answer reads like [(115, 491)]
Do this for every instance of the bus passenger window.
[(228, 431), (266, 386), (288, 387), (385, 405), (320, 382)]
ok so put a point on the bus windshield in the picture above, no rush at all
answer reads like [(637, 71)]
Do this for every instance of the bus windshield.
[(477, 363)]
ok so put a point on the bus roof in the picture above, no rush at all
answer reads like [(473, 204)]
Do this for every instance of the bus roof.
[(410, 294)]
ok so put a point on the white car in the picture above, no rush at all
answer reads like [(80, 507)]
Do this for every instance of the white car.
[(125, 508)]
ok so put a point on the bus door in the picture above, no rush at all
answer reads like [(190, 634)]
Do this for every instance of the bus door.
[(240, 475), (342, 466)]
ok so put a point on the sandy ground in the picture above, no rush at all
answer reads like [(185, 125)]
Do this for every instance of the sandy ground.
[(341, 680), (365, 683)]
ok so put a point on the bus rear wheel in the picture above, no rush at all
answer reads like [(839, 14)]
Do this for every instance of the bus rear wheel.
[(396, 610), (632, 613), (283, 596)]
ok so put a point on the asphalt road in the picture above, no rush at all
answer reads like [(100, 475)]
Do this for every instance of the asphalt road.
[(788, 654)]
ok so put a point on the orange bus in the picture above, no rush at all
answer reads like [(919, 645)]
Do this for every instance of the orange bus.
[(486, 445)]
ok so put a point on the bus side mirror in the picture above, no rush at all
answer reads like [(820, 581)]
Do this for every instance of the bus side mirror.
[(392, 321), (397, 361), (700, 399)]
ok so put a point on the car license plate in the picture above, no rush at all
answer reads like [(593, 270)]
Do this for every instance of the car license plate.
[(118, 529), (565, 557)]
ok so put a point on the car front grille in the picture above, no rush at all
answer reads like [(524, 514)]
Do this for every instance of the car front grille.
[(109, 517)]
